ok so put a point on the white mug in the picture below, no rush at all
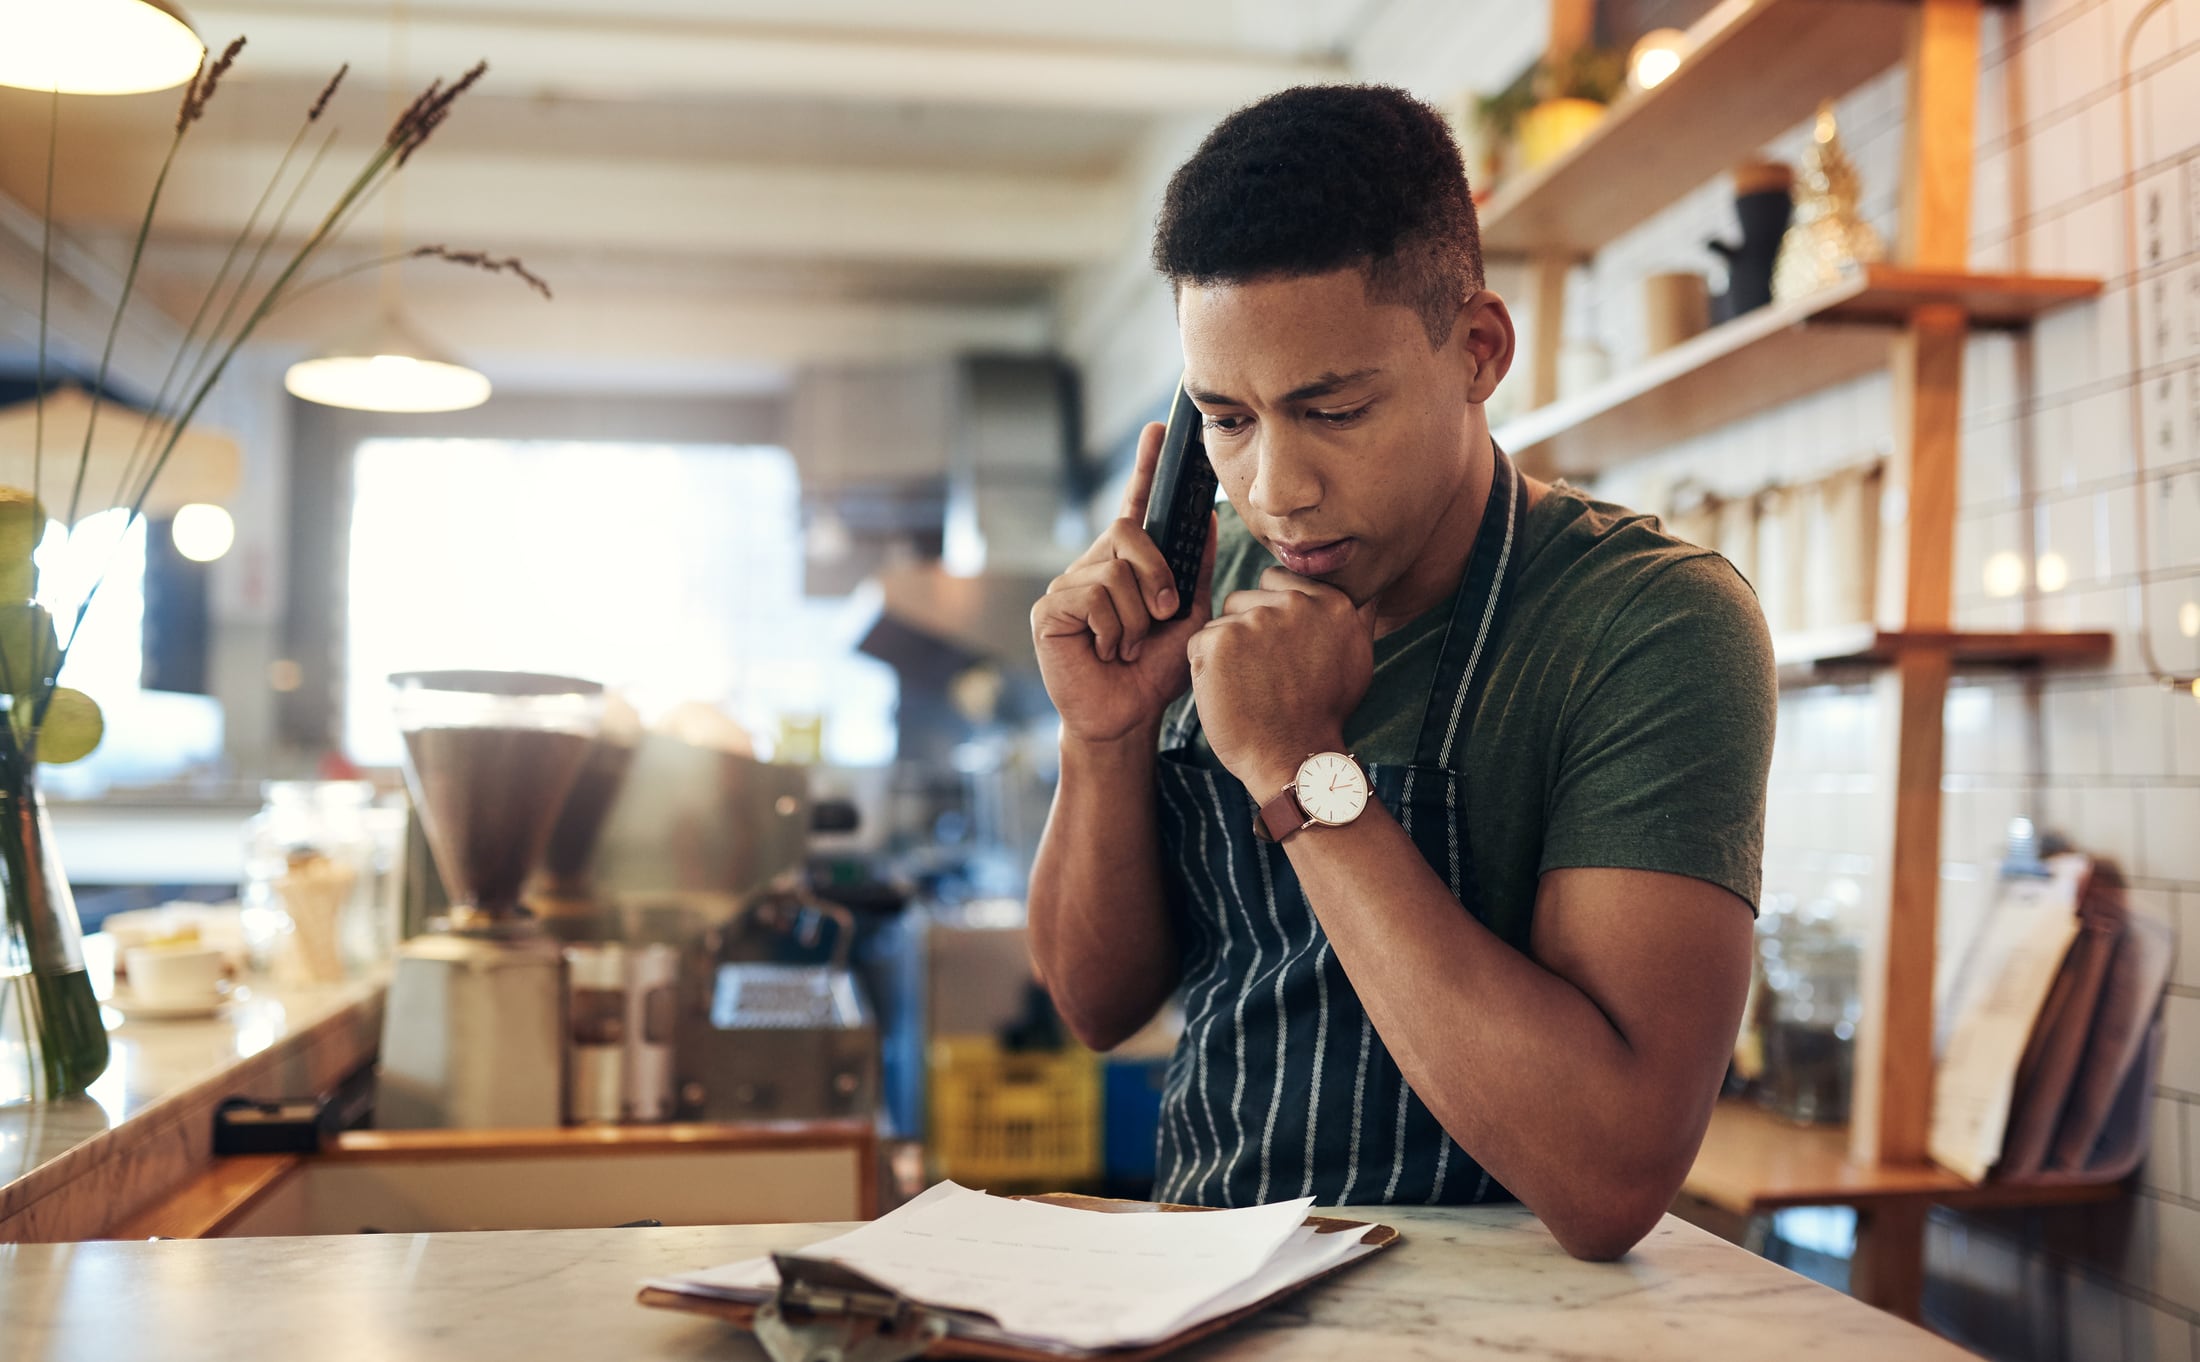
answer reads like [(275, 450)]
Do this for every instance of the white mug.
[(174, 976)]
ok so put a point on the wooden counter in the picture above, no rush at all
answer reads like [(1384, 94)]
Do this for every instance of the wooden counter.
[(73, 1169)]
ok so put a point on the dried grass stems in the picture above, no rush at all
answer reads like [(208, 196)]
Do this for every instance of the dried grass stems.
[(328, 92), (482, 260), (243, 310), (200, 89), (426, 113)]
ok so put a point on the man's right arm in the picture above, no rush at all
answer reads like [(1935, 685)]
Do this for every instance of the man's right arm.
[(1100, 933), (1112, 659)]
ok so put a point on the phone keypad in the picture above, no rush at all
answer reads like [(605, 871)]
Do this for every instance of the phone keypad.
[(1187, 537)]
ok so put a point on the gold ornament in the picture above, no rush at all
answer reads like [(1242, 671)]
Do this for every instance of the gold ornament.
[(1828, 238)]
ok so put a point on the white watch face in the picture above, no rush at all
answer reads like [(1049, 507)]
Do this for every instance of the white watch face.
[(1332, 788)]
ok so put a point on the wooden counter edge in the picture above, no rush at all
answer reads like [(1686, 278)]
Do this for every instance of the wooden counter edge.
[(156, 1151), (212, 1200), (209, 1203), (552, 1141)]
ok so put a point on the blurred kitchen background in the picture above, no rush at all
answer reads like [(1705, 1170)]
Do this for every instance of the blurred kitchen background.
[(853, 333)]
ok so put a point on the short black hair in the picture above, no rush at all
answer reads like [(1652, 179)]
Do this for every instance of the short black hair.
[(1324, 177)]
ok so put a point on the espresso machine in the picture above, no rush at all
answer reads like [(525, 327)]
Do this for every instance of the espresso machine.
[(703, 849), (475, 1031)]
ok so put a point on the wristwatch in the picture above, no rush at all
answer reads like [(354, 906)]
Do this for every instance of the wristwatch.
[(1330, 789)]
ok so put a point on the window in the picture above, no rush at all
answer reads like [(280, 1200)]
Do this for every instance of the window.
[(107, 659), (673, 572), (150, 736)]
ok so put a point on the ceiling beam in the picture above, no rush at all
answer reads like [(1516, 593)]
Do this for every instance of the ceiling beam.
[(81, 292), (512, 203), (666, 337), (536, 52)]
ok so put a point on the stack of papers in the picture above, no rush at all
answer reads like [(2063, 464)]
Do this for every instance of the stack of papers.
[(1057, 1279)]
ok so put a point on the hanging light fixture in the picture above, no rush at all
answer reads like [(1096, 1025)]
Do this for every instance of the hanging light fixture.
[(390, 369), (96, 47)]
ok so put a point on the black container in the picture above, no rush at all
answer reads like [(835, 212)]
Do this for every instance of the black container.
[(1764, 215)]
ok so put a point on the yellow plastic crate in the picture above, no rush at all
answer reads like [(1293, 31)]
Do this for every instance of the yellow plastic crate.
[(1014, 1120)]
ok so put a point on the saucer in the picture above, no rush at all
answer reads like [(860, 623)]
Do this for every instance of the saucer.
[(135, 1008)]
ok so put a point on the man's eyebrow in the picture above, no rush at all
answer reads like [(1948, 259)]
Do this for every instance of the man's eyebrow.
[(1324, 386)]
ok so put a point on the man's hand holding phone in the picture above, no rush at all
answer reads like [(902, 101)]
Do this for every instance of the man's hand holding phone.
[(1111, 657)]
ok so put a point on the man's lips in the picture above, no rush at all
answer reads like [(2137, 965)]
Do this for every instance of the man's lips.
[(1315, 558)]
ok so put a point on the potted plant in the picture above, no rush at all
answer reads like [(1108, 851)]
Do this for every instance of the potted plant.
[(1571, 95), (1497, 126), (52, 1041)]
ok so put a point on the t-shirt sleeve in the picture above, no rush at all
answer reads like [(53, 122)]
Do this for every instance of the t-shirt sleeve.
[(1667, 739)]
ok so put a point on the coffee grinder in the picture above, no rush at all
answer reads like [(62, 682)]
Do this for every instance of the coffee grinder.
[(474, 1033)]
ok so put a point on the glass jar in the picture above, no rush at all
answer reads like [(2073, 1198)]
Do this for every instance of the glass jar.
[(1811, 1001), (319, 882)]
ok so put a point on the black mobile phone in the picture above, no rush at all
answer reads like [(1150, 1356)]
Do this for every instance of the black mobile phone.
[(1182, 498)]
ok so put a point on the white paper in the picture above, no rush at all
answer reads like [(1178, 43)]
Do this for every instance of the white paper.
[(1999, 992), (1065, 1278)]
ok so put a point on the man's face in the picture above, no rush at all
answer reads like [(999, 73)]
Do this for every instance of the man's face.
[(1339, 434)]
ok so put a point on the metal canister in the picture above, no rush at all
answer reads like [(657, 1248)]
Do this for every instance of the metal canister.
[(652, 1002), (598, 1010)]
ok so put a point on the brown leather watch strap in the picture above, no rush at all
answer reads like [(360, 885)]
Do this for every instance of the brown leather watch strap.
[(1285, 812)]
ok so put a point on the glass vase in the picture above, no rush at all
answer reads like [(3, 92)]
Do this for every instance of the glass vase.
[(52, 1042)]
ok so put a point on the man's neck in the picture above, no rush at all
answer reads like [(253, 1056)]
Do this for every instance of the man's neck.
[(1435, 574)]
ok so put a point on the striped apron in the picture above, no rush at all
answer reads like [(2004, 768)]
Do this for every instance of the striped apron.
[(1280, 1087)]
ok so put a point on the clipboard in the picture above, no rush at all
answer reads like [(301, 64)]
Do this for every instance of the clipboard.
[(826, 1310)]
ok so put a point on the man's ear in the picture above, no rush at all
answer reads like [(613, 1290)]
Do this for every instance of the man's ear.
[(1484, 334)]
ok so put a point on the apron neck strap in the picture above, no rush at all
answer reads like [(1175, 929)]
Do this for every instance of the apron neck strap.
[(1477, 611)]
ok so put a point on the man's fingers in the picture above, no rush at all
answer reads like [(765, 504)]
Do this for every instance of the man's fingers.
[(1245, 602), (1156, 583), (1283, 579), (1140, 488), (1126, 540), (1103, 597), (1098, 609), (1128, 599)]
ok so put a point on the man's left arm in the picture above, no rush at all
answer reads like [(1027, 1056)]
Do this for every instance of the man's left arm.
[(1581, 1075), (1582, 1078)]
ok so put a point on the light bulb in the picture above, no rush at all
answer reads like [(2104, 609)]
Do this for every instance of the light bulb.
[(1656, 56), (2052, 572), (2005, 574), (96, 47), (202, 532)]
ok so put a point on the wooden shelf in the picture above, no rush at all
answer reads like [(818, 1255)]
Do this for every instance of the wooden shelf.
[(1770, 356), (1759, 68), (1805, 656), (1753, 1162)]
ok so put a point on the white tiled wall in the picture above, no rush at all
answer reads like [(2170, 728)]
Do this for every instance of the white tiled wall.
[(2048, 470)]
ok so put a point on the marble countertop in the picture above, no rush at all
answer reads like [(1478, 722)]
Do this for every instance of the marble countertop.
[(163, 1079), (1480, 1282)]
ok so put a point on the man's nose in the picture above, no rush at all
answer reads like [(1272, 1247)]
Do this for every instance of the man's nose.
[(1285, 479)]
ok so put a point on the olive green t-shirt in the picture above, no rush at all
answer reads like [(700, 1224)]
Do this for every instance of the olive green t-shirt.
[(1626, 720)]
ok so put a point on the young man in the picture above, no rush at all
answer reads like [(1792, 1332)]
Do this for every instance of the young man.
[(1516, 968)]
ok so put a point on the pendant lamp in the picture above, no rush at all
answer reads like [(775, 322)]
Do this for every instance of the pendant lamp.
[(389, 369), (96, 47)]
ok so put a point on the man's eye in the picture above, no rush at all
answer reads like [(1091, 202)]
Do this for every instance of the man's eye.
[(1228, 425), (1339, 418)]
